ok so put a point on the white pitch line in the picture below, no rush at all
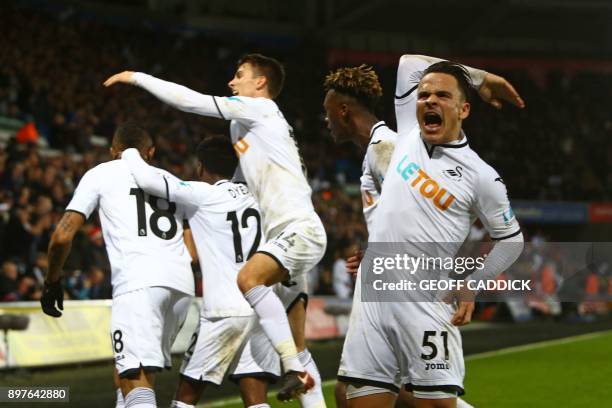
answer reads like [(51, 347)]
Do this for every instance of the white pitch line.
[(479, 356), (538, 345)]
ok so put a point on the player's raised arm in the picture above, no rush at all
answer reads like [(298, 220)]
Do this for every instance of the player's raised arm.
[(492, 88), (151, 181), (183, 98)]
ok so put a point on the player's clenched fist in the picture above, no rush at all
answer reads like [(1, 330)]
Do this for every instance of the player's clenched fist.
[(52, 292), (352, 262), (124, 77)]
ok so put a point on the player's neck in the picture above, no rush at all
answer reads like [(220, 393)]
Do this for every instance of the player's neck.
[(363, 125)]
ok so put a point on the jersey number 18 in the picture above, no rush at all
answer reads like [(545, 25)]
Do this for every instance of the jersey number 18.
[(157, 214)]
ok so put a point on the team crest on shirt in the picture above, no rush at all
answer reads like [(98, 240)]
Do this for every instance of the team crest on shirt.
[(454, 174)]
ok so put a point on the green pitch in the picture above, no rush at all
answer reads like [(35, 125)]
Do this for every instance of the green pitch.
[(566, 373), (572, 372)]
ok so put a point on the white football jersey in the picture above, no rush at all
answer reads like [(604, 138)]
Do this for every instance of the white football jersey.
[(435, 193), (143, 234), (227, 229), (269, 160), (268, 153), (375, 163)]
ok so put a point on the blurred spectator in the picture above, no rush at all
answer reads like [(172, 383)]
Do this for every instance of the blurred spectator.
[(343, 282), (8, 281)]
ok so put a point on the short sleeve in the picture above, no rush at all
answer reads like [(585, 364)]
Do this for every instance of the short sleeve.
[(86, 196), (493, 208)]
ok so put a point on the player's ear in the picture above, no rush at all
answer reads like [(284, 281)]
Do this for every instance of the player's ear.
[(114, 153), (151, 152), (261, 82), (344, 111), (464, 111)]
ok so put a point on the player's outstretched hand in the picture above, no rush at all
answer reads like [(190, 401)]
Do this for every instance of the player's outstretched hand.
[(122, 77), (52, 292), (352, 262), (464, 299), (495, 90)]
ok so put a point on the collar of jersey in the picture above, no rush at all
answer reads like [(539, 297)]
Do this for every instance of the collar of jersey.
[(455, 144), (221, 182), (376, 126)]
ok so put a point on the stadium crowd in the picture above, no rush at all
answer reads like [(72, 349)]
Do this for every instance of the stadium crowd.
[(52, 77)]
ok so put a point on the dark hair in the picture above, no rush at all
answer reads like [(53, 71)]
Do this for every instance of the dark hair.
[(359, 82), (217, 155), (131, 135), (457, 71), (269, 68)]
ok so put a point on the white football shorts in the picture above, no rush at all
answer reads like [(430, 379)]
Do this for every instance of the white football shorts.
[(299, 247), (144, 324), (410, 344)]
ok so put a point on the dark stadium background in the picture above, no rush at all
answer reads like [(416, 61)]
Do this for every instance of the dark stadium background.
[(56, 120)]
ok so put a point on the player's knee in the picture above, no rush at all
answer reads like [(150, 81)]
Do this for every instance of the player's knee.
[(246, 281), (188, 391)]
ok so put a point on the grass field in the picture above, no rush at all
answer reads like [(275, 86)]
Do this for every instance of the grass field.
[(570, 372), (524, 365)]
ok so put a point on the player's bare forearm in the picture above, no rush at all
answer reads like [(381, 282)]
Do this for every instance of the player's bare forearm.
[(124, 77), (58, 252), (61, 242), (190, 244), (495, 90)]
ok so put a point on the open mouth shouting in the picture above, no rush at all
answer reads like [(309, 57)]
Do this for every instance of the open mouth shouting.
[(432, 121)]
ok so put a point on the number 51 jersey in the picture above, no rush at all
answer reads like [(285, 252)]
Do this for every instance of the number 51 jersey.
[(143, 234)]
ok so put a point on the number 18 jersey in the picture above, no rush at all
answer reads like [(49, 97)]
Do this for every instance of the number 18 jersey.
[(143, 234)]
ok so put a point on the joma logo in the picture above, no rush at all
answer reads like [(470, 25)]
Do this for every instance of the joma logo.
[(437, 366)]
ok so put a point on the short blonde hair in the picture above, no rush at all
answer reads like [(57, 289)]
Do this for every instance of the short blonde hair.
[(359, 82)]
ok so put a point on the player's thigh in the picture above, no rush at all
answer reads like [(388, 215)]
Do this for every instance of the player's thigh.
[(261, 269), (189, 391), (137, 322), (405, 399), (214, 346), (366, 396), (430, 402), (432, 357), (340, 394)]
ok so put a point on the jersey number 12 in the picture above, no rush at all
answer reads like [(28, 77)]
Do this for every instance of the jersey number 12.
[(232, 216)]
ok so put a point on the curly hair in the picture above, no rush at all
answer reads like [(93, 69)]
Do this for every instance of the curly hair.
[(359, 82)]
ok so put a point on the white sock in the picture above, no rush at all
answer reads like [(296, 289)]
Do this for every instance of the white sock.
[(462, 404), (140, 397), (274, 322), (259, 406), (120, 403), (313, 398), (180, 404)]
